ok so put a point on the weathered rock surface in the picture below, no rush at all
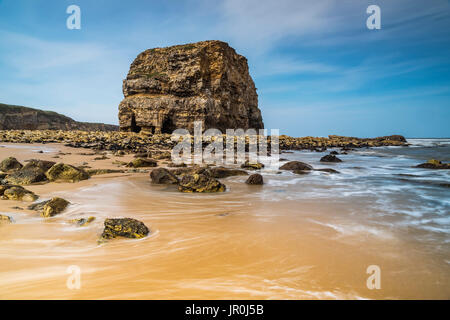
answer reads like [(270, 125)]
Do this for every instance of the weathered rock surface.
[(23, 118), (54, 207), (17, 193), (142, 163), (255, 179), (10, 164), (170, 88), (67, 173), (163, 176), (296, 165), (252, 166), (434, 164), (200, 183), (124, 227)]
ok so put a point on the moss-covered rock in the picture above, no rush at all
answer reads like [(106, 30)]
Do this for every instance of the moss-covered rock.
[(142, 163), (17, 193), (252, 165), (26, 176), (163, 176), (54, 207), (10, 164), (124, 227), (67, 173), (200, 183), (434, 164)]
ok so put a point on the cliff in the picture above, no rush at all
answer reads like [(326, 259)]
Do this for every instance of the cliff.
[(170, 88), (24, 118)]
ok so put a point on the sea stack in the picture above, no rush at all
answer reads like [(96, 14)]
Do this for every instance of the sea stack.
[(170, 88)]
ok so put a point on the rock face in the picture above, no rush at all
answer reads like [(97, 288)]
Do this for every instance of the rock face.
[(170, 88), (24, 118)]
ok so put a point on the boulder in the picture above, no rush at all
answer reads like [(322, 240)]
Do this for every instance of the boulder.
[(124, 227), (26, 176), (170, 88), (54, 207), (330, 158), (301, 171), (434, 164), (10, 164), (200, 183), (142, 163), (66, 173), (18, 193), (163, 176), (252, 165), (255, 179), (44, 165), (296, 165), (221, 172), (38, 206)]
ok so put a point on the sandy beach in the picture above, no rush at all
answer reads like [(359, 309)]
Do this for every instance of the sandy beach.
[(251, 242)]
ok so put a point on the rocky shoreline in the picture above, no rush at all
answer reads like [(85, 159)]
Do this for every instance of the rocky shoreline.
[(138, 143)]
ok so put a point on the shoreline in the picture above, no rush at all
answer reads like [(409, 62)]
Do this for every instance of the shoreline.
[(249, 242)]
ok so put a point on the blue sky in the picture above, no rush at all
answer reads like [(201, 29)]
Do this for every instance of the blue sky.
[(317, 67)]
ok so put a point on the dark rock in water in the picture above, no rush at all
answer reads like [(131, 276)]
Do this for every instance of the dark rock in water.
[(10, 164), (221, 172), (191, 170), (17, 193), (334, 152), (66, 173), (54, 207), (142, 163), (434, 164), (82, 222), (296, 165), (200, 183), (329, 170), (124, 227), (330, 158), (163, 176), (170, 88), (5, 219), (255, 179), (301, 171), (252, 166)]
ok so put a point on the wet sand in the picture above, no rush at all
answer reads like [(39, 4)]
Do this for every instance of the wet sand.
[(234, 245)]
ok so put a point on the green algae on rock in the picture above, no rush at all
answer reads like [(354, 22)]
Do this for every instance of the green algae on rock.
[(200, 183), (142, 163), (67, 173), (18, 193), (163, 176), (82, 222), (54, 207), (124, 227), (10, 164)]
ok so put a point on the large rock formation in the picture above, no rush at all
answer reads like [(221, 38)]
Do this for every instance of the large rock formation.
[(170, 88), (23, 118)]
